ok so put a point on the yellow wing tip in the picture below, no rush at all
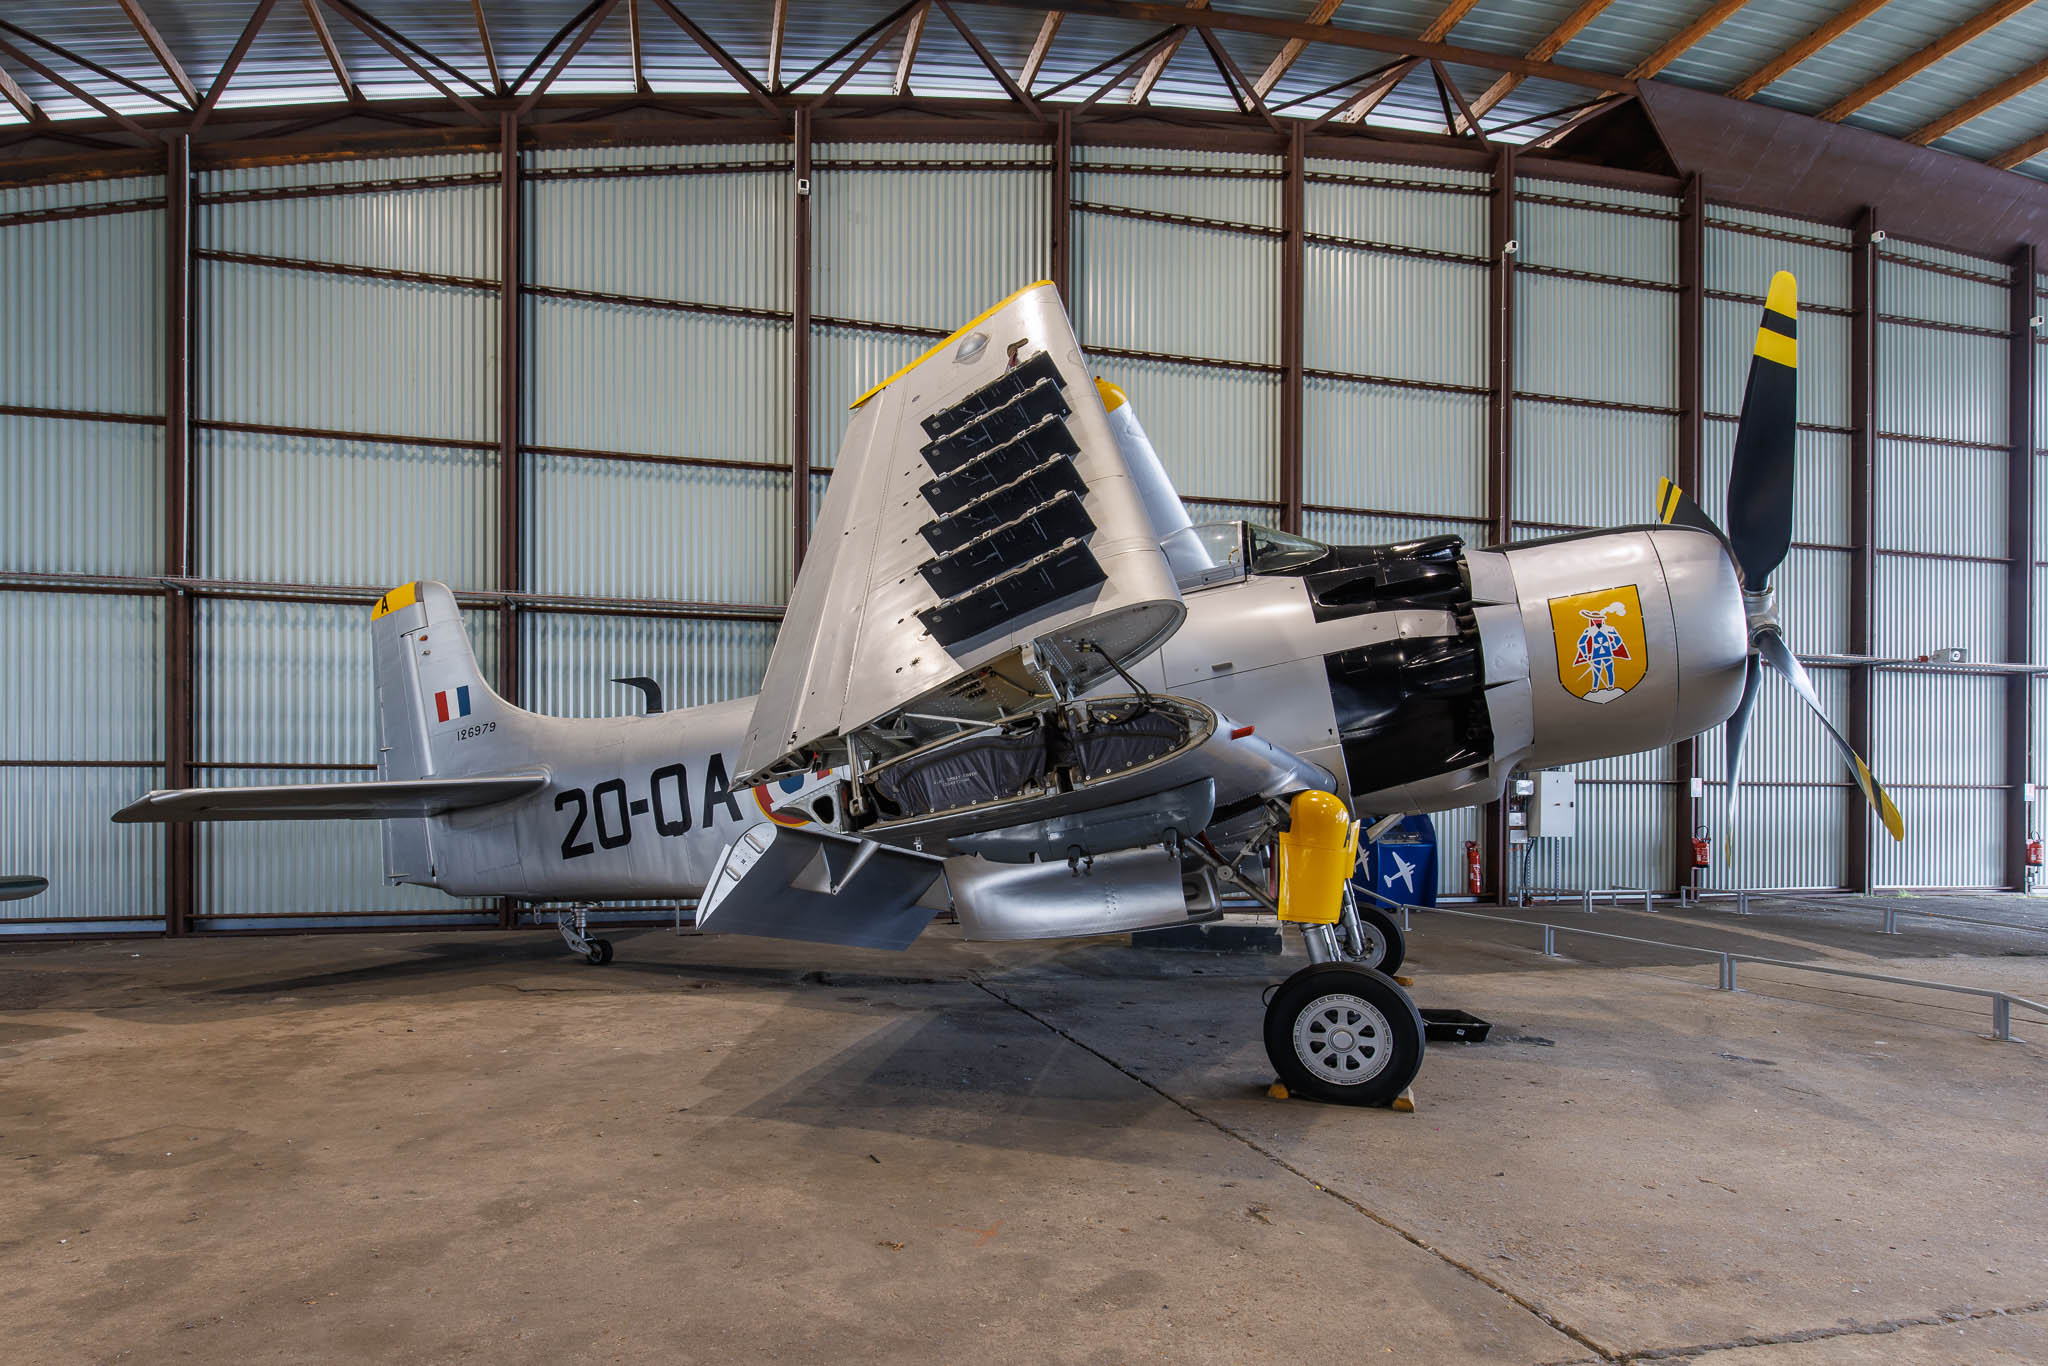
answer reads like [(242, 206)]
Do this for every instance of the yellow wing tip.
[(1784, 295), (1112, 397), (955, 335), (405, 595)]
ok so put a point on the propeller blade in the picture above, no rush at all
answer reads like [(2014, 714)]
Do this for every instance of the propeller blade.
[(1737, 727), (1779, 656), (1760, 480), (1675, 507)]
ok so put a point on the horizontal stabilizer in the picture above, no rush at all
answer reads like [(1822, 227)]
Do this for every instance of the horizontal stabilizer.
[(18, 888), (364, 801)]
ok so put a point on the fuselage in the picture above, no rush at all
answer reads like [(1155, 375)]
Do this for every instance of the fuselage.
[(1418, 676)]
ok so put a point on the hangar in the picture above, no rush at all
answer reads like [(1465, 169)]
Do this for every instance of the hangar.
[(278, 363), (564, 307)]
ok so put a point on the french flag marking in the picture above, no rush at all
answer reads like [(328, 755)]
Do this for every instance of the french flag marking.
[(461, 703)]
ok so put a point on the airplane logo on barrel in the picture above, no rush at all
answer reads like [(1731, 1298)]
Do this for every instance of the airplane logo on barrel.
[(1600, 647)]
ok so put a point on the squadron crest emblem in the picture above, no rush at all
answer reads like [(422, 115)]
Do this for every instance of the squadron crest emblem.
[(1601, 652)]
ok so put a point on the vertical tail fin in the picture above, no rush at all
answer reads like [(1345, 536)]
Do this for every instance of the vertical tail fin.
[(431, 702), (431, 697)]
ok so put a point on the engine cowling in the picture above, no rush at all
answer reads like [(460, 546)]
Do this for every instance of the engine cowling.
[(1587, 646)]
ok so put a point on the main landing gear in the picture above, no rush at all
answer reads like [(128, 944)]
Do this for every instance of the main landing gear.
[(1369, 937), (574, 924), (1341, 1033), (1341, 1029)]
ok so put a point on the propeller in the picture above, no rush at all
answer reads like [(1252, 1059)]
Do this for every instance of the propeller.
[(1760, 484)]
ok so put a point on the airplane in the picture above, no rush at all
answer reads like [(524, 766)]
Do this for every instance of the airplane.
[(1014, 679), (1404, 873)]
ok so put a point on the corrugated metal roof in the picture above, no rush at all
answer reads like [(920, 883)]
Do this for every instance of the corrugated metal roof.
[(286, 64)]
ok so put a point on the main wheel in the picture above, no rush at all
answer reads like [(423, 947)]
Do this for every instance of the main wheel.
[(599, 952), (1345, 1034), (1386, 947)]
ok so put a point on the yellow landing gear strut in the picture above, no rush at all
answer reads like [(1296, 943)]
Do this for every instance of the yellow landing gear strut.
[(1336, 1030)]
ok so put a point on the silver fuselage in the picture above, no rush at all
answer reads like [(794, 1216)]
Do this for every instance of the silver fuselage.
[(642, 807)]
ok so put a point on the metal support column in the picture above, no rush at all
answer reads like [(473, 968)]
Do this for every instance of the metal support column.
[(2019, 549), (1862, 527), (1692, 295), (1500, 428), (1500, 347), (1293, 214), (800, 341), (1060, 270), (511, 385), (180, 710)]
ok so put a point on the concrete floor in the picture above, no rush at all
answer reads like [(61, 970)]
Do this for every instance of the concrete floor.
[(471, 1147)]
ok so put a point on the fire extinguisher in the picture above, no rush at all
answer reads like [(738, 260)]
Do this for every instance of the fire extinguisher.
[(1472, 880), (1702, 849), (2033, 851)]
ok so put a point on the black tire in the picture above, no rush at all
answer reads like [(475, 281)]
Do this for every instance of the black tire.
[(1313, 1010), (1386, 945), (604, 951)]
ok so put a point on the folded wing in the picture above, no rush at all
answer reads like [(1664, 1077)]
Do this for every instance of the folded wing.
[(982, 544)]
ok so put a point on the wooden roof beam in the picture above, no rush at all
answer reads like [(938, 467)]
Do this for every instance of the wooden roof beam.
[(161, 51), (575, 46), (1154, 69), (2025, 151), (371, 31), (727, 63), (1813, 42), (76, 91), (900, 20), (1976, 26), (640, 85), (85, 63), (778, 25), (1369, 99), (18, 97), (1040, 46), (1716, 15), (1334, 35), (1553, 42), (1982, 104), (483, 34), (913, 34), (349, 88), (1291, 53), (988, 61)]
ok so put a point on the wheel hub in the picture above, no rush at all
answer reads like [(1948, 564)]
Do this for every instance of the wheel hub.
[(1343, 1039)]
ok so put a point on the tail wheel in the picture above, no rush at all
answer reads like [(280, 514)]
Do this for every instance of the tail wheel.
[(1385, 947), (1345, 1034), (599, 952)]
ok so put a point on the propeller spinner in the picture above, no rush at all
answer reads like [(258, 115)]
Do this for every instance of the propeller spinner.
[(1759, 533)]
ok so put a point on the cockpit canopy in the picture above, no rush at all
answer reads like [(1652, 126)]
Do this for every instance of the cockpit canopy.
[(1212, 553)]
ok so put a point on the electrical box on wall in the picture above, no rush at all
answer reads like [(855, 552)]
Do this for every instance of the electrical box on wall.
[(1553, 806)]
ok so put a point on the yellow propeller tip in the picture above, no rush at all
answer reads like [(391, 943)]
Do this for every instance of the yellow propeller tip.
[(1784, 295)]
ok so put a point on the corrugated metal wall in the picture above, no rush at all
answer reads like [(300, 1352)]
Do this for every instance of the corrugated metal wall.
[(1595, 427), (81, 494), (1145, 291), (346, 410), (1938, 739), (1790, 826)]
